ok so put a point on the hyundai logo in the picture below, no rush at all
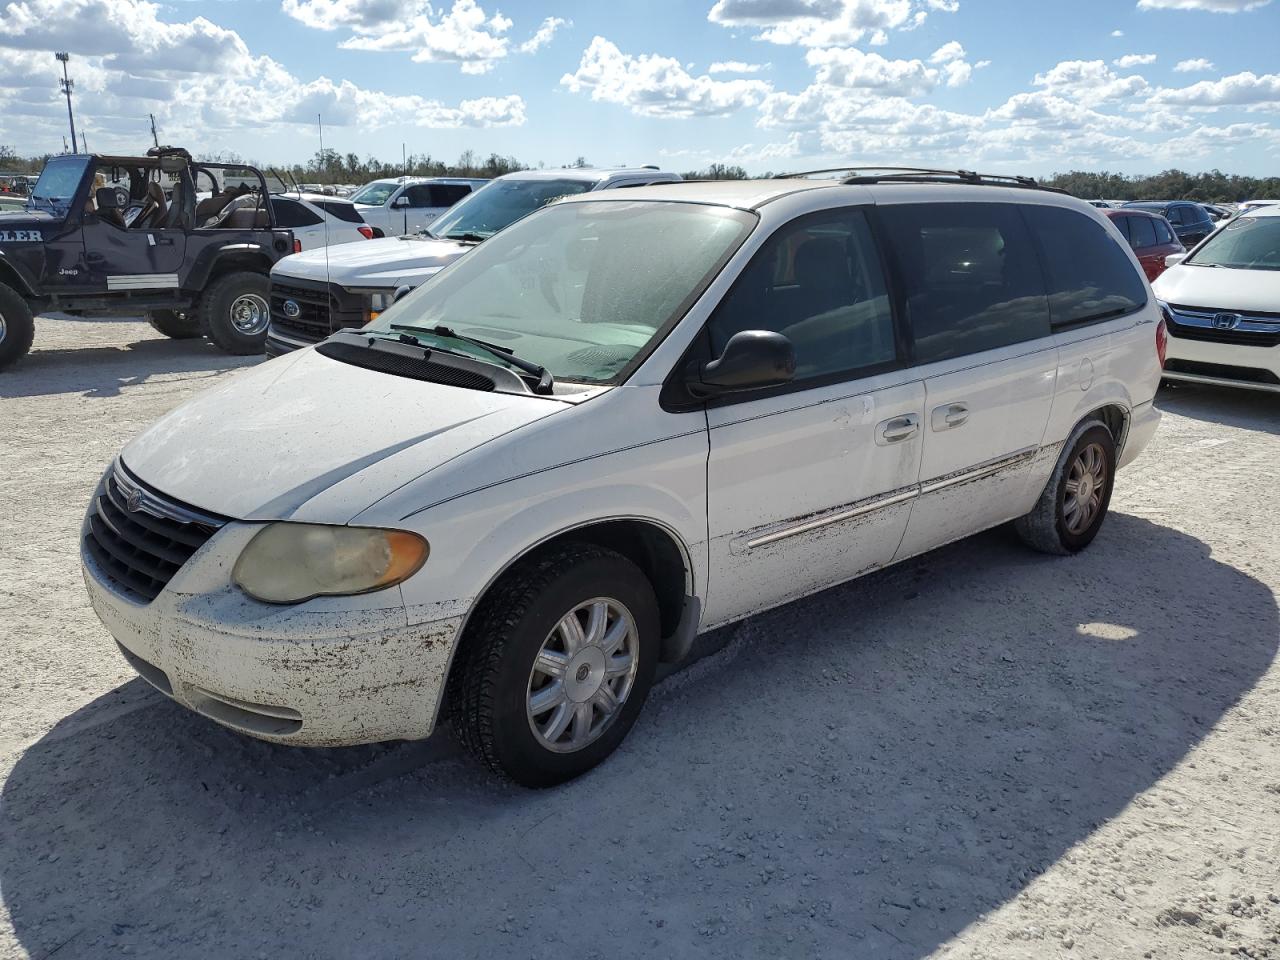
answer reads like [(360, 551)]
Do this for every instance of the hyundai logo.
[(291, 309), (1226, 321)]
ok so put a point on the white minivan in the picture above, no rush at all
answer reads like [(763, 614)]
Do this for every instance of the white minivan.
[(628, 418)]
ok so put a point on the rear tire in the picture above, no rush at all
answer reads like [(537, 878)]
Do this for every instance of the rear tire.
[(542, 727), (175, 326), (234, 313), (1074, 503), (17, 326)]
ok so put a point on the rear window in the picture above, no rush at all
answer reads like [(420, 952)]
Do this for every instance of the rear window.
[(971, 277), (1090, 276), (291, 214), (1142, 232), (342, 211)]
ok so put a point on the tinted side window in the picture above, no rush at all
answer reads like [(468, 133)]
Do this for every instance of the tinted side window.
[(1163, 233), (1174, 215), (447, 194), (1142, 232), (1090, 276), (817, 281), (343, 211), (290, 214), (419, 195), (971, 277), (1122, 224)]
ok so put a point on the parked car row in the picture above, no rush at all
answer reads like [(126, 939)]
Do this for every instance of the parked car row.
[(625, 418)]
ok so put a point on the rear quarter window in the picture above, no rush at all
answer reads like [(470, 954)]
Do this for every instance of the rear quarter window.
[(341, 211), (290, 214), (1090, 277), (970, 276)]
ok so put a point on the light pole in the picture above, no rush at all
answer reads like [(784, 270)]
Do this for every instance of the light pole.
[(67, 84)]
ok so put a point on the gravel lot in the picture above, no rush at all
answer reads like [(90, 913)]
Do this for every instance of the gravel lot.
[(981, 753)]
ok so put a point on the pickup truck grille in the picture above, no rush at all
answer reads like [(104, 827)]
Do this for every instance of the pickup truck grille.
[(321, 309), (1246, 329), (139, 537)]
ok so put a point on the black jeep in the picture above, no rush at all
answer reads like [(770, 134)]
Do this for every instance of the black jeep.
[(188, 244)]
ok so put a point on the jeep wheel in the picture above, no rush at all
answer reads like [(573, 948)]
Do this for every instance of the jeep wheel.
[(17, 326), (555, 664), (174, 325), (234, 313)]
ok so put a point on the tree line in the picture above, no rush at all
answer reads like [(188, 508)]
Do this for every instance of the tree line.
[(330, 166)]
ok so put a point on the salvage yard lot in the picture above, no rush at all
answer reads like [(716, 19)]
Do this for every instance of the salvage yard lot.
[(984, 752)]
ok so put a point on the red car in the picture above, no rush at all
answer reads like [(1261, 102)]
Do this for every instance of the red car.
[(1150, 235)]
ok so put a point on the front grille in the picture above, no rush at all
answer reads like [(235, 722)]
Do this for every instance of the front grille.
[(1255, 329), (321, 310), (1221, 371), (140, 549)]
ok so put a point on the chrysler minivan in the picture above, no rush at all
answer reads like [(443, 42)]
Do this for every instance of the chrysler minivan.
[(630, 417)]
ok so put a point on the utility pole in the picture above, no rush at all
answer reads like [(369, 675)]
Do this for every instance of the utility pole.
[(67, 85), (153, 128)]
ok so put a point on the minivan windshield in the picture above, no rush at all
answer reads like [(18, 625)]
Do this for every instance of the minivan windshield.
[(501, 203), (1246, 243), (374, 194), (578, 288)]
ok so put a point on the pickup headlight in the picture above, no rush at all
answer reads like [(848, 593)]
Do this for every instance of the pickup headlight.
[(291, 562)]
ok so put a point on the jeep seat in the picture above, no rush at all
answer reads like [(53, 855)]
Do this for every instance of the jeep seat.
[(154, 209)]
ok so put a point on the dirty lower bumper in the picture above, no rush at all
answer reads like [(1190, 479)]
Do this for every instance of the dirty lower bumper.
[(327, 684)]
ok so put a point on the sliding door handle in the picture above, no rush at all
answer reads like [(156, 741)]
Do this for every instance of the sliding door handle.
[(949, 415)]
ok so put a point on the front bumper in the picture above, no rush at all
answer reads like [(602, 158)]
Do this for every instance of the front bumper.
[(1224, 361), (330, 672)]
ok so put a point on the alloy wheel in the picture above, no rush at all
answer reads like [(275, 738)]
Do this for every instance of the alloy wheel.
[(1085, 487)]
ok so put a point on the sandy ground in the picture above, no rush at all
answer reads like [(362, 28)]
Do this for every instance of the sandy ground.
[(982, 753)]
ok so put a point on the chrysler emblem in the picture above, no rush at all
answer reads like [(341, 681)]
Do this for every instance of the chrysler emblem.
[(1226, 321), (134, 500), (291, 309)]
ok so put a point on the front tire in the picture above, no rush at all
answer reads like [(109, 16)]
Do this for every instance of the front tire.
[(174, 325), (234, 313), (1074, 503), (17, 326), (556, 664)]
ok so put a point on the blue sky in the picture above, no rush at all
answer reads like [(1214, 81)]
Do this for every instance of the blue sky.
[(1127, 85)]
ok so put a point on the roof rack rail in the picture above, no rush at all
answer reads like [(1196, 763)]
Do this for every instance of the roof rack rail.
[(866, 175)]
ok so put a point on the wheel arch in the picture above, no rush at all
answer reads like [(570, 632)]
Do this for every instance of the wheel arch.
[(1115, 417), (652, 546), (249, 257), (11, 276)]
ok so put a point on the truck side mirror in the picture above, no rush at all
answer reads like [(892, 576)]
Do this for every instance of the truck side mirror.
[(401, 201)]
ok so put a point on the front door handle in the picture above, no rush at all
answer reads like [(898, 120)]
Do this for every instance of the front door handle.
[(897, 429), (949, 416)]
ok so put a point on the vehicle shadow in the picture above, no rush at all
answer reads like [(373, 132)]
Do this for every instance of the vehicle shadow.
[(860, 774), (1248, 409), (105, 371)]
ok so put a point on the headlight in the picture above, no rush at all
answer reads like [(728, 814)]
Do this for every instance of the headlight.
[(292, 562)]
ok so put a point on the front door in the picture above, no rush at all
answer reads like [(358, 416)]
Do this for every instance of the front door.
[(811, 484), (133, 258), (979, 322)]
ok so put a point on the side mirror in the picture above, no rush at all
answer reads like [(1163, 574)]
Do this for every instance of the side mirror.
[(401, 291), (1173, 259), (401, 201), (751, 360), (110, 198)]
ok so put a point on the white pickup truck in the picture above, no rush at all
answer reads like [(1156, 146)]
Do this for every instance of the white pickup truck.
[(406, 204), (315, 293)]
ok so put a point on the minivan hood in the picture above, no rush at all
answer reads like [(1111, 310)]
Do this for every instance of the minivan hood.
[(384, 262), (1220, 288), (309, 438)]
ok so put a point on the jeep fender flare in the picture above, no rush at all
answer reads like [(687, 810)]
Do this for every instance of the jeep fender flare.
[(14, 274), (245, 255)]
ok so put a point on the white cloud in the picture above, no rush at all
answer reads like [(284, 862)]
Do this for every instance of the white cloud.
[(464, 34), (736, 66), (1117, 33), (952, 50), (1193, 66), (1239, 90), (826, 23), (199, 79), (657, 86), (1134, 60), (1213, 6), (1089, 81), (544, 34)]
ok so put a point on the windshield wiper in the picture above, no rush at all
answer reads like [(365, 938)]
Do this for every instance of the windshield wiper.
[(465, 237), (505, 354)]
